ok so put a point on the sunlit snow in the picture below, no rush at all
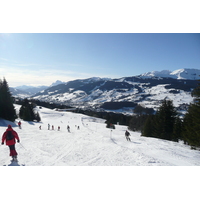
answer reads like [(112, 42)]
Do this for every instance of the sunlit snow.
[(91, 145)]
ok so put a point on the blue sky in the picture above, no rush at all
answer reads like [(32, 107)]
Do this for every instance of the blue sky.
[(43, 58)]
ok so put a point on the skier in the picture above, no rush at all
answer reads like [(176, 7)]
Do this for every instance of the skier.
[(48, 126), (68, 128), (19, 124), (127, 134), (58, 128), (9, 136)]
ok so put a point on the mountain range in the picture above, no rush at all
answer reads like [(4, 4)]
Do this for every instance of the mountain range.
[(147, 89), (191, 74)]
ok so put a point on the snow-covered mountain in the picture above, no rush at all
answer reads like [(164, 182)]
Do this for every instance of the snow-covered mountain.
[(146, 90), (26, 91), (57, 83), (189, 74), (19, 93), (92, 144)]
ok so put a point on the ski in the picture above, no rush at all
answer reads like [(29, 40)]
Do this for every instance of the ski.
[(14, 164)]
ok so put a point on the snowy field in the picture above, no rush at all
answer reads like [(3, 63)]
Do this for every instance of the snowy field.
[(91, 145), (94, 145)]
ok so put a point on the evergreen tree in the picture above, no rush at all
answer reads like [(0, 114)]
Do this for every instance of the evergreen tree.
[(165, 119), (162, 124), (191, 132), (148, 130), (26, 111), (191, 126), (177, 129), (7, 110), (196, 94)]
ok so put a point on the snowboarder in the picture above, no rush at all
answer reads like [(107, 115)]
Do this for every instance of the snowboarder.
[(19, 124), (127, 134), (9, 136)]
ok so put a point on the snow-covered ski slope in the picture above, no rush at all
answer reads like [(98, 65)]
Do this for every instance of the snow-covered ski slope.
[(91, 145)]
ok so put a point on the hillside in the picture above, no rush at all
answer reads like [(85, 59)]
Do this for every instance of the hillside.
[(147, 89), (148, 92), (91, 145)]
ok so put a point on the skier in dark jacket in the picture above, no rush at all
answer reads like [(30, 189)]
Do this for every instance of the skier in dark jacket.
[(68, 128), (9, 136), (127, 134), (19, 124)]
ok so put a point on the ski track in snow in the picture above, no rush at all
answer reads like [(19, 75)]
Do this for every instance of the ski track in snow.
[(92, 145)]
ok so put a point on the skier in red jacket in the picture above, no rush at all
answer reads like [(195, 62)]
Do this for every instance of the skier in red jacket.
[(10, 135)]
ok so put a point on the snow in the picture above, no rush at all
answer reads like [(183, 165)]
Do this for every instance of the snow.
[(163, 73), (186, 73), (93, 145), (159, 93), (57, 83), (141, 93), (191, 74)]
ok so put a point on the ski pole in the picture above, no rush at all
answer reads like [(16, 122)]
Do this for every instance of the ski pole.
[(22, 146)]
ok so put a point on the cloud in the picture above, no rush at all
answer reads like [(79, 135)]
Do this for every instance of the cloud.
[(17, 76), (4, 59), (34, 74)]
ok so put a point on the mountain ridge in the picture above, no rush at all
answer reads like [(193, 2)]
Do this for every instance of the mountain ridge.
[(185, 73), (147, 90)]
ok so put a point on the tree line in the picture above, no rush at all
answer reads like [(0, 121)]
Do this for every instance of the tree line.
[(7, 109), (27, 110), (167, 124)]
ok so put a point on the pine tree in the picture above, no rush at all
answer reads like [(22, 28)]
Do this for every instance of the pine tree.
[(7, 110), (166, 116), (26, 112), (191, 125), (196, 94), (191, 133), (148, 130), (177, 129)]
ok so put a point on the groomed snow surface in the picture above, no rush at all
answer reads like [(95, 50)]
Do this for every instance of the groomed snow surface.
[(94, 145), (90, 145)]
